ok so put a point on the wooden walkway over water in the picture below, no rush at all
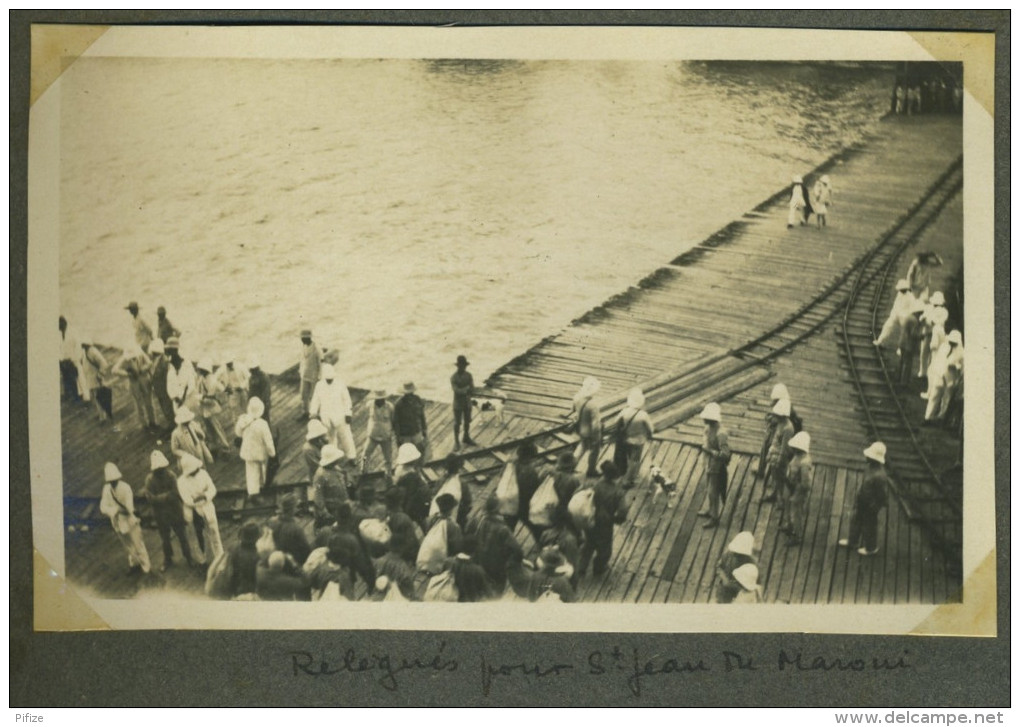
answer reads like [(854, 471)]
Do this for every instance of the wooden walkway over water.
[(688, 316)]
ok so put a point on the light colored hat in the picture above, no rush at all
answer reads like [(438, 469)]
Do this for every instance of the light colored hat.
[(801, 441), (330, 454), (205, 364), (190, 464), (779, 392), (328, 372), (590, 386), (955, 337), (111, 473), (902, 285), (876, 452), (407, 453), (156, 346), (315, 429), (382, 583), (747, 576), (712, 412), (379, 394), (157, 460), (636, 399), (256, 407), (939, 316), (184, 415), (937, 298), (742, 543), (782, 408), (173, 342), (797, 179)]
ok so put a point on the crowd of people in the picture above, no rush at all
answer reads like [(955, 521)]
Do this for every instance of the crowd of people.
[(926, 353), (405, 538), (916, 95)]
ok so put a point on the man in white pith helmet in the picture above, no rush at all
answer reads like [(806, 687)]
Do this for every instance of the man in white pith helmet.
[(871, 498), (118, 504), (779, 453), (799, 474), (779, 392), (716, 447)]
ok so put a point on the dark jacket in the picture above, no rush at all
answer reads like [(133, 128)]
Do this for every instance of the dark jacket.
[(610, 507), (416, 497), (278, 585), (399, 571), (403, 527), (258, 386), (496, 548), (161, 491), (528, 481), (409, 416), (290, 538), (243, 566), (873, 494)]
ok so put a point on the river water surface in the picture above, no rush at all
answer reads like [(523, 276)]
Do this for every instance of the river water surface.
[(409, 211)]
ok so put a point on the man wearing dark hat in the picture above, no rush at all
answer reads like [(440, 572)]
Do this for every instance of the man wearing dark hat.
[(164, 328), (288, 534), (143, 334), (463, 386), (311, 360), (409, 420)]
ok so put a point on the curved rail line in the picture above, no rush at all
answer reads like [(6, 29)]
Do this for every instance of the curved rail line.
[(919, 487)]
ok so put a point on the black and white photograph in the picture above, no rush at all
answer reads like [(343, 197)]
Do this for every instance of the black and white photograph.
[(498, 329)]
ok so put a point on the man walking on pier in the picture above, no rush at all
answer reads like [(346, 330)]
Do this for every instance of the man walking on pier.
[(463, 386), (779, 393), (409, 422), (871, 498), (779, 453), (798, 481), (902, 308), (716, 447), (588, 424), (160, 365), (311, 360)]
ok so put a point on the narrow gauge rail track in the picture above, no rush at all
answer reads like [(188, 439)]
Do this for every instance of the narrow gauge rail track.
[(920, 488), (674, 396)]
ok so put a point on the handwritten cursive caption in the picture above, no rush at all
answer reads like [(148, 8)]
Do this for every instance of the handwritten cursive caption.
[(628, 666)]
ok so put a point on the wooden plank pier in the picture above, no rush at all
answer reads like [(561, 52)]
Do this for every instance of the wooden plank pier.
[(750, 306)]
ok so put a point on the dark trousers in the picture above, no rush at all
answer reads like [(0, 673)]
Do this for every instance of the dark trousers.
[(593, 447), (597, 541), (165, 525), (166, 406), (461, 415), (69, 375), (716, 492), (864, 528)]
